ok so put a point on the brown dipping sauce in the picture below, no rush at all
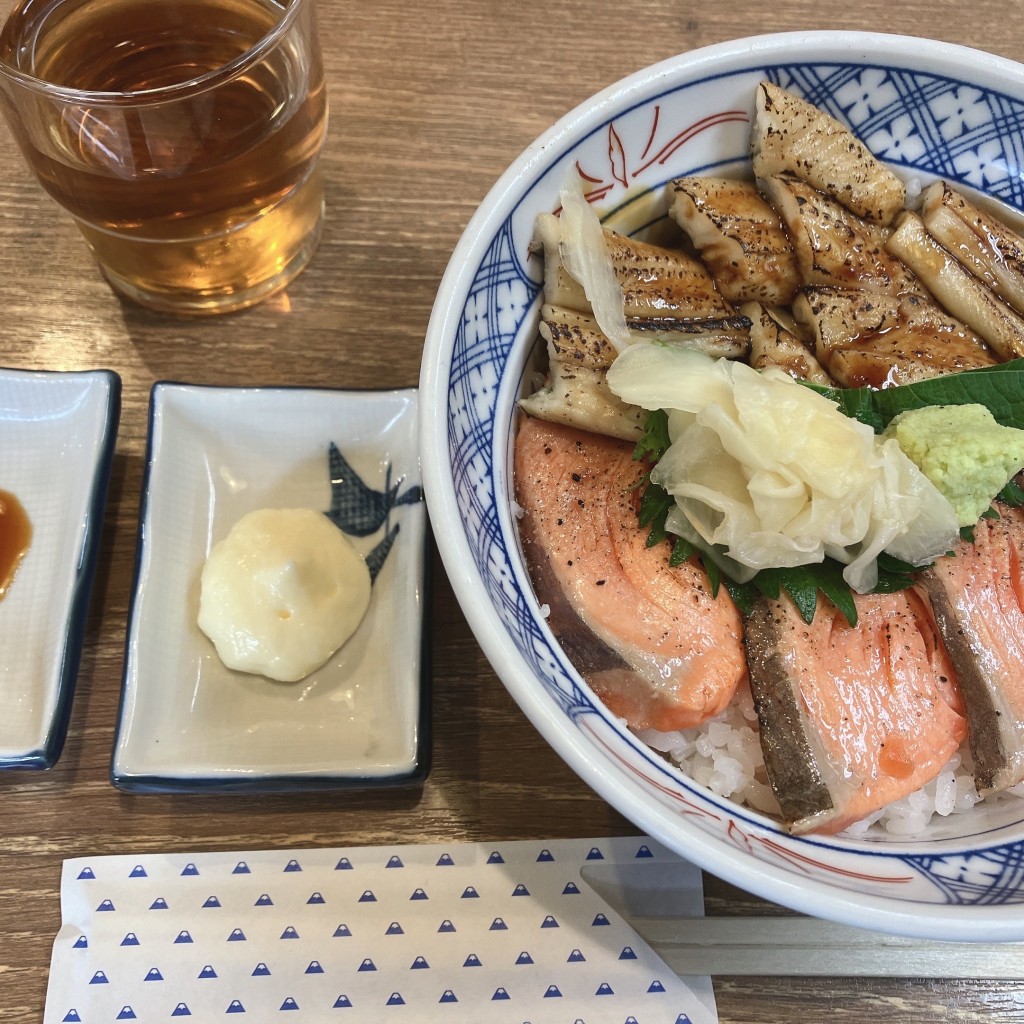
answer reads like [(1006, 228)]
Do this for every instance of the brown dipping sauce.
[(15, 538)]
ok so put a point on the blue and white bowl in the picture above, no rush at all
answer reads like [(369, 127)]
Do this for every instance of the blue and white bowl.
[(931, 110)]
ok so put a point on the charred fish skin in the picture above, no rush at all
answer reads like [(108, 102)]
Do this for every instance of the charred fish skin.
[(739, 236), (987, 247), (835, 248), (789, 760), (792, 135), (978, 601), (655, 281), (773, 344), (868, 713), (873, 340), (956, 289)]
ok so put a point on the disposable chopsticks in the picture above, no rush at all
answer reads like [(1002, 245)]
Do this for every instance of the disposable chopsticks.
[(807, 947)]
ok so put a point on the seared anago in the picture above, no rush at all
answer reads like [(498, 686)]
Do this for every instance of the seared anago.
[(740, 237), (792, 135)]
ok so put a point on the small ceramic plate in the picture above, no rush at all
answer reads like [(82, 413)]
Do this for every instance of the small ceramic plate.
[(57, 435), (189, 723)]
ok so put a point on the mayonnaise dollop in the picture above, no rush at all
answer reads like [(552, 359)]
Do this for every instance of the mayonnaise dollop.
[(282, 592)]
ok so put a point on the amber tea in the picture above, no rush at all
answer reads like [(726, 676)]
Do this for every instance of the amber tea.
[(182, 135)]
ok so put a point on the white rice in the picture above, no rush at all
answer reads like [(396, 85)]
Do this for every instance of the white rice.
[(724, 754)]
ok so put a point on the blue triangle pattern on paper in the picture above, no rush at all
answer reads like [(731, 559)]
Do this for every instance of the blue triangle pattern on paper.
[(84, 873), (207, 972), (644, 851), (342, 1002), (367, 965), (524, 958), (237, 935), (552, 992), (394, 929), (241, 868), (576, 957), (293, 865), (127, 1013), (447, 996), (289, 933), (498, 925), (496, 858), (549, 922), (594, 854), (211, 901), (520, 890), (545, 855), (158, 904), (99, 978), (683, 1019), (289, 1004), (315, 898), (395, 999), (131, 939), (81, 943), (394, 862), (261, 970), (106, 905), (344, 864), (264, 901), (235, 1006), (314, 967), (183, 937), (604, 989), (419, 894), (446, 926), (472, 961), (71, 1016), (419, 964), (469, 893), (445, 861), (571, 889), (500, 993), (600, 919), (627, 953), (631, 1020), (190, 869), (655, 986), (153, 975), (138, 872), (181, 1010), (368, 897), (342, 930)]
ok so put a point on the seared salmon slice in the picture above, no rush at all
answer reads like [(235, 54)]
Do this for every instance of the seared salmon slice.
[(851, 717), (978, 598), (649, 638)]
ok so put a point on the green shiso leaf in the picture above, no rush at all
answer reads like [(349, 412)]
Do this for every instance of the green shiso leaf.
[(999, 388)]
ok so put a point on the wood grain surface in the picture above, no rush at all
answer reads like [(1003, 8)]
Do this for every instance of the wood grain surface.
[(429, 103)]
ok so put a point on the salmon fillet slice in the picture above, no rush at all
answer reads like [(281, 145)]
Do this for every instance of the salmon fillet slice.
[(977, 595), (851, 718), (649, 638)]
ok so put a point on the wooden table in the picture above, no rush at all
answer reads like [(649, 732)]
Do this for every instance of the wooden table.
[(430, 102)]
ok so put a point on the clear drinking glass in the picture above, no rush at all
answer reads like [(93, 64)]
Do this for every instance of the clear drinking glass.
[(183, 136)]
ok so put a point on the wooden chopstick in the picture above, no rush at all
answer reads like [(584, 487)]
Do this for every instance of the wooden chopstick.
[(807, 947)]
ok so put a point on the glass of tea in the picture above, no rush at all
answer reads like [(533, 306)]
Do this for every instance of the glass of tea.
[(183, 136)]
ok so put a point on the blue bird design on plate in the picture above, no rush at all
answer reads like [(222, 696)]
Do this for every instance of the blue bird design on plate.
[(359, 511)]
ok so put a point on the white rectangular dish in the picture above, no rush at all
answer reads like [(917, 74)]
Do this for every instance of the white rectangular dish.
[(57, 436), (215, 454)]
